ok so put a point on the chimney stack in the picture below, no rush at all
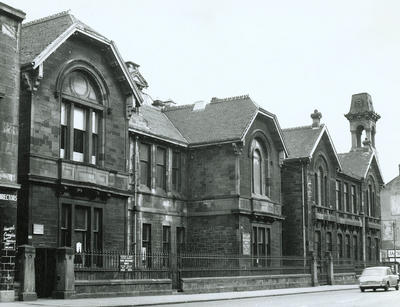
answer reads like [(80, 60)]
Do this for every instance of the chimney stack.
[(316, 117)]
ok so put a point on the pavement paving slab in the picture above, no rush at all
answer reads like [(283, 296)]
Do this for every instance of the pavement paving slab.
[(174, 298)]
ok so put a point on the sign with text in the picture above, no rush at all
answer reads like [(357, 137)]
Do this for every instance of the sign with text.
[(38, 229), (9, 197), (246, 243), (8, 238), (391, 253), (395, 204), (126, 263), (387, 230)]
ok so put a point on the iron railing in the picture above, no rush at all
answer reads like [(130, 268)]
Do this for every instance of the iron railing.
[(209, 265), (92, 265)]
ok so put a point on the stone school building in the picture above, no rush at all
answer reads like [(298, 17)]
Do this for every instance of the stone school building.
[(103, 186)]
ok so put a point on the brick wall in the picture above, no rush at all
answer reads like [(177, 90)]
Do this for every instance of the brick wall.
[(9, 93), (292, 236), (45, 127), (211, 172), (214, 234)]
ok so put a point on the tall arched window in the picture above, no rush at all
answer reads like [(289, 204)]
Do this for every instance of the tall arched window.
[(371, 198), (81, 118), (340, 245), (260, 171), (257, 172), (321, 183)]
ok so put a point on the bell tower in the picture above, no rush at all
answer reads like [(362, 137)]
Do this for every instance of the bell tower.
[(362, 118)]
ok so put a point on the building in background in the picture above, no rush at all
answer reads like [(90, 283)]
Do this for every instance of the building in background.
[(332, 201), (10, 34), (390, 208)]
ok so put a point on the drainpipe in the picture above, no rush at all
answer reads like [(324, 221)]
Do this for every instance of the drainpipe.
[(303, 210), (135, 181)]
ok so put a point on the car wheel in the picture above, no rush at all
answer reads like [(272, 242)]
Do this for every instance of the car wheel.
[(374, 289), (397, 286), (362, 289), (386, 286)]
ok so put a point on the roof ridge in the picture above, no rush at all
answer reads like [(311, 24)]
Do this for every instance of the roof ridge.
[(47, 18), (178, 107), (241, 97), (303, 127)]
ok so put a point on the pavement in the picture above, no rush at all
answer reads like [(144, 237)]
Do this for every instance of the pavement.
[(177, 298)]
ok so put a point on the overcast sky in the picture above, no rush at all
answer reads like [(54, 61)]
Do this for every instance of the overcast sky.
[(291, 57)]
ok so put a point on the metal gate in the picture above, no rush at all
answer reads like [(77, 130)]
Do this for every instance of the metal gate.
[(45, 268), (322, 271)]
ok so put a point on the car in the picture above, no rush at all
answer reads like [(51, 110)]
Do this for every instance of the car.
[(378, 277)]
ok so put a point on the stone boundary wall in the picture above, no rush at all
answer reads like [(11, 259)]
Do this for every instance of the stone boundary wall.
[(244, 283), (108, 288), (345, 278)]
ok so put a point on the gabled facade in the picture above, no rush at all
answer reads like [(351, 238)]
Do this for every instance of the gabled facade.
[(75, 102), (207, 182), (331, 201)]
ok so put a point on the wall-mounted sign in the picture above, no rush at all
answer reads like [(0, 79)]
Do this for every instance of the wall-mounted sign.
[(390, 254), (38, 229), (8, 238), (126, 263), (246, 243), (10, 197)]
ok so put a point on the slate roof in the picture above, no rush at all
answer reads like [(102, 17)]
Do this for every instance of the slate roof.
[(300, 141), (38, 34), (220, 120), (355, 163), (151, 120)]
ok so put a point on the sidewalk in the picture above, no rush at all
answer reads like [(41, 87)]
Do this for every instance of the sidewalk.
[(174, 298)]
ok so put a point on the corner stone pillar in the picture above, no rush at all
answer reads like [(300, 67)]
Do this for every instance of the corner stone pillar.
[(65, 277), (329, 268), (314, 270), (26, 255)]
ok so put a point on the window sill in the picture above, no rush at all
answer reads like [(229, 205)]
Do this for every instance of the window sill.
[(261, 197)]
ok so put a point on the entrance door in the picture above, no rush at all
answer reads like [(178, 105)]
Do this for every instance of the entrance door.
[(45, 268)]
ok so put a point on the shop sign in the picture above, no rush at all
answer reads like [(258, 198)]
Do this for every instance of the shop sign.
[(126, 263), (10, 197), (246, 243)]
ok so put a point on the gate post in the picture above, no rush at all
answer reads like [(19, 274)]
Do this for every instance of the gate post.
[(26, 256), (173, 262), (65, 277), (329, 268), (314, 270)]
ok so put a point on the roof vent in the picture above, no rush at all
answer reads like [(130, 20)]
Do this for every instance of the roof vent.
[(199, 105)]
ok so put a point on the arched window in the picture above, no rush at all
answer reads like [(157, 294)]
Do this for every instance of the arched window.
[(260, 171), (321, 183), (320, 186), (81, 118), (257, 171), (340, 245), (370, 194)]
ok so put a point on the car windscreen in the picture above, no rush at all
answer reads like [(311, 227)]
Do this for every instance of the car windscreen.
[(374, 272)]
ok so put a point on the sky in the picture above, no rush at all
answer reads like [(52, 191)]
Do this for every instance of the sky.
[(291, 57)]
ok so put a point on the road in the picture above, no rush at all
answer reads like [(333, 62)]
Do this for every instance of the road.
[(346, 298)]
